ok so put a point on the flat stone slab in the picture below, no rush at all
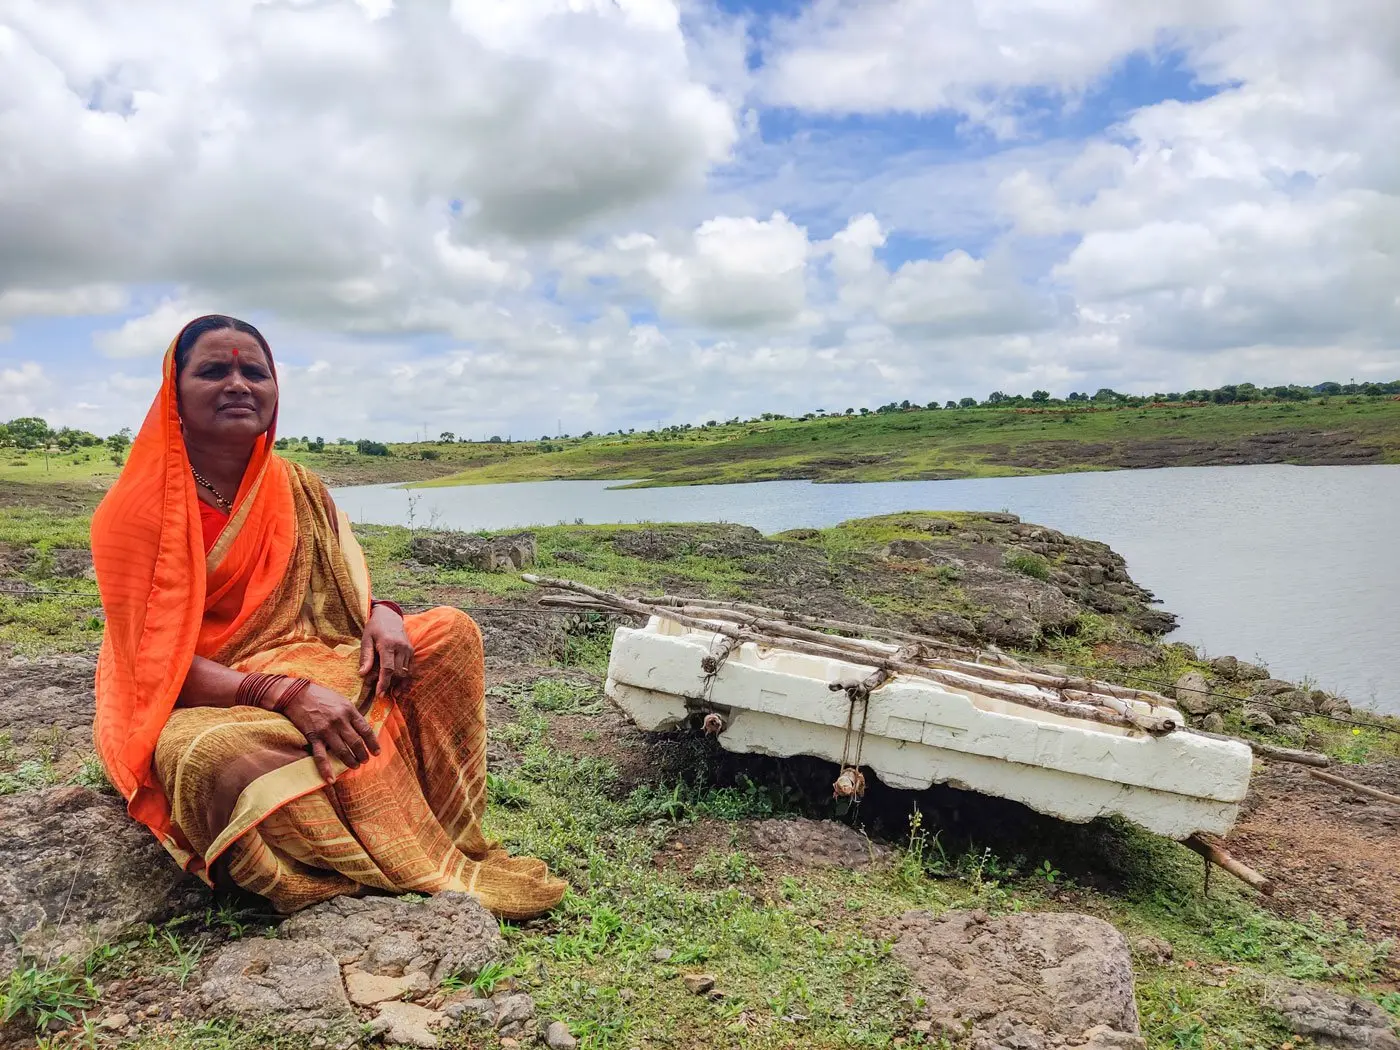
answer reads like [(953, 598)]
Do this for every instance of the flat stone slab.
[(451, 933), (1022, 982), (295, 982), (1331, 1019), (407, 1024)]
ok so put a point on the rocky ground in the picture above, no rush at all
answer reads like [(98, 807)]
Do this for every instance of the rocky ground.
[(721, 901)]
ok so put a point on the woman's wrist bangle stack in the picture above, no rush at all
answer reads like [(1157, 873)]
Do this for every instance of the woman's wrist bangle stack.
[(271, 692), (377, 602)]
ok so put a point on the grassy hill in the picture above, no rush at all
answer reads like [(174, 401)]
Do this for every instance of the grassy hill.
[(897, 446), (928, 444)]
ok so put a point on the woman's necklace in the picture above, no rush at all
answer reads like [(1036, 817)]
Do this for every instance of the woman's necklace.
[(224, 505)]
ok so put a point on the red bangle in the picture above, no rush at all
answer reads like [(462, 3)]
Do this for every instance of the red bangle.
[(377, 602), (260, 690)]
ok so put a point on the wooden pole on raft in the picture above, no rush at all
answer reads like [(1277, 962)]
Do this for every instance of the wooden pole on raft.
[(832, 648), (1217, 854)]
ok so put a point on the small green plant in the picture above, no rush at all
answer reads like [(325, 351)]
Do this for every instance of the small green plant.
[(93, 775), (186, 957), (504, 791), (491, 975), (561, 696), (34, 773), (41, 994), (650, 803), (1048, 872), (1028, 563)]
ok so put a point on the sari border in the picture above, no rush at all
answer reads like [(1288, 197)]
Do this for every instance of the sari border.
[(226, 539), (265, 796)]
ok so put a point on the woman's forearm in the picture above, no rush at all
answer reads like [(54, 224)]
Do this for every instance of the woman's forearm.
[(210, 685)]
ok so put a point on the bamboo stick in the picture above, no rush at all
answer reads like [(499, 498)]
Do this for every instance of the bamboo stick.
[(1148, 722), (1220, 856), (1020, 675), (964, 681), (1352, 785), (890, 633)]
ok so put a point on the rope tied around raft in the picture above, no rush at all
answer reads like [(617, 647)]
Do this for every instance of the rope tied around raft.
[(851, 781)]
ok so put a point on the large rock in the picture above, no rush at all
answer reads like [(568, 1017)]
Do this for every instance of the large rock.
[(817, 843), (1022, 982), (293, 983), (46, 707), (1193, 694), (76, 871), (458, 550), (439, 936), (1331, 1019)]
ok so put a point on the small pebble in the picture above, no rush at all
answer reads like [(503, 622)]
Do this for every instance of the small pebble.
[(510, 1044), (662, 955), (558, 1037), (114, 1022), (699, 983)]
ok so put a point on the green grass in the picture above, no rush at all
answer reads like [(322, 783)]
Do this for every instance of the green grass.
[(36, 994)]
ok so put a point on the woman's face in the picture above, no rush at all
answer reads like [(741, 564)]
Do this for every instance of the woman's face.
[(227, 391)]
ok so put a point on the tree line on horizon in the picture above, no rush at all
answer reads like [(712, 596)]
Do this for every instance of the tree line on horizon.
[(33, 433)]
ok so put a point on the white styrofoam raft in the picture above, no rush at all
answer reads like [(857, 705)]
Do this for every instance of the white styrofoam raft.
[(918, 733)]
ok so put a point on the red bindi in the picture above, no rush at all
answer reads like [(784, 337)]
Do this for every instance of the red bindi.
[(235, 353)]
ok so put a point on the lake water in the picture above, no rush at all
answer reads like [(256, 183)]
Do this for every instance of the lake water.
[(1295, 567)]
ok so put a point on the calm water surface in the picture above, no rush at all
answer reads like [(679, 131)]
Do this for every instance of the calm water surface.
[(1297, 567)]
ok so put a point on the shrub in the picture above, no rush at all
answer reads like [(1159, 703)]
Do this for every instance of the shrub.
[(1028, 564), (371, 448)]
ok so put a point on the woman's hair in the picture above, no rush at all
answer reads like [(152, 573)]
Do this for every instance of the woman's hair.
[(212, 323)]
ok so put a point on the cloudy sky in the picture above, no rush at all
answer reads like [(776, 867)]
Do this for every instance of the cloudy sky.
[(497, 216)]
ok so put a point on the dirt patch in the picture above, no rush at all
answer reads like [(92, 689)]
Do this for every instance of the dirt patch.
[(58, 497), (1329, 852)]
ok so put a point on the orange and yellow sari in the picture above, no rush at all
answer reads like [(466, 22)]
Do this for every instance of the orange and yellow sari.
[(284, 589)]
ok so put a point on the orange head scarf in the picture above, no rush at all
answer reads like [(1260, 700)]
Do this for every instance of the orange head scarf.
[(157, 586)]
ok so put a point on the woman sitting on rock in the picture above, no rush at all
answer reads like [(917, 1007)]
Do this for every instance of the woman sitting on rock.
[(262, 715)]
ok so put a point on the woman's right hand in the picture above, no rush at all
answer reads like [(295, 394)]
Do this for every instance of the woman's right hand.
[(332, 726)]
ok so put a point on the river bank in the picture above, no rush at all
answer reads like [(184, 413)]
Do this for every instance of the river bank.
[(669, 844)]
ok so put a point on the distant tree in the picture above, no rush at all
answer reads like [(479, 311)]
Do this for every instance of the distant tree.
[(968, 402), (68, 438), (1108, 394), (281, 444), (1040, 396), (996, 397), (865, 411), (29, 432), (120, 441), (709, 423), (319, 445), (950, 404), (365, 447), (932, 405), (446, 437), (494, 439)]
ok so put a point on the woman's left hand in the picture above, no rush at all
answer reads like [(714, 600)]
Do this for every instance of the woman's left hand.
[(387, 640)]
